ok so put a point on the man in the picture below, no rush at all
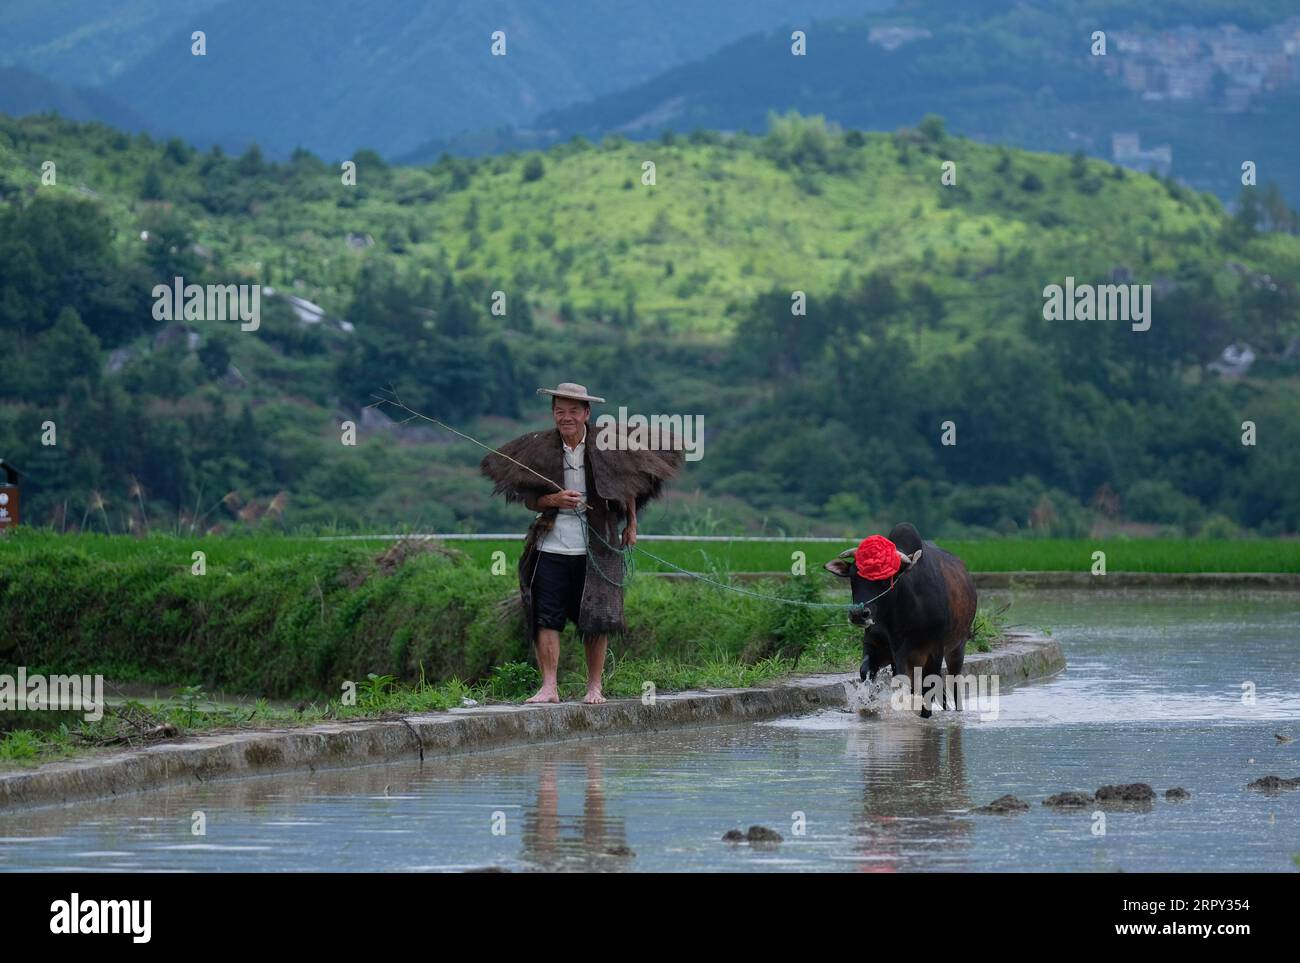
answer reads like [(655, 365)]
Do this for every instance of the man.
[(572, 564)]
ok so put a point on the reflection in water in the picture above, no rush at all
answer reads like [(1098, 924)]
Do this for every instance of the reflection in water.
[(913, 775), (550, 841)]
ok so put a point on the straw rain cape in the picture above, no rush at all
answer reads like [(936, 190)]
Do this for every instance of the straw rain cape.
[(614, 477)]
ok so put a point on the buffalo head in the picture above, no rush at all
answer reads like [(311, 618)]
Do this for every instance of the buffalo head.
[(867, 593)]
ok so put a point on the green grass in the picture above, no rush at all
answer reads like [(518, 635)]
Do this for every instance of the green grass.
[(990, 624), (1131, 555), (265, 620), (998, 555)]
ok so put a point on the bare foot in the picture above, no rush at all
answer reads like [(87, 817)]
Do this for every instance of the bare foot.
[(593, 697), (545, 694)]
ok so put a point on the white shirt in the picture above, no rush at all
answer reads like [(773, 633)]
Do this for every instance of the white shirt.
[(569, 536)]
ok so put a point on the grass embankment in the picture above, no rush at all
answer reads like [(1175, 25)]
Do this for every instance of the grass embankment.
[(418, 627)]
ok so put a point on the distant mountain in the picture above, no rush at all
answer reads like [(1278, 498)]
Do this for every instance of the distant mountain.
[(334, 76), (1191, 88), (88, 42), (24, 92)]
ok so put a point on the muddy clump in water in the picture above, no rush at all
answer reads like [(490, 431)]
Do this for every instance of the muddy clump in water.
[(757, 836), (1004, 805), (763, 835), (1133, 792), (1178, 792), (1069, 800), (1274, 784)]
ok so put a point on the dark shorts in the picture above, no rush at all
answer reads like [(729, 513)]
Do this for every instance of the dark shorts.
[(557, 589)]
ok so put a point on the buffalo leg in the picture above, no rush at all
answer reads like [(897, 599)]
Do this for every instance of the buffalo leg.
[(955, 659), (876, 654), (899, 666), (870, 666), (905, 663), (933, 666)]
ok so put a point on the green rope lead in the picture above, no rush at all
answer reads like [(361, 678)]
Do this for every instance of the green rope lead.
[(628, 571)]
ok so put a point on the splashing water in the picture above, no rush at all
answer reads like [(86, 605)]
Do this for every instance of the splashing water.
[(871, 699)]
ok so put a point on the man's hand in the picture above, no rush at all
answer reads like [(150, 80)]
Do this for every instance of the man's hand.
[(629, 533), (565, 499)]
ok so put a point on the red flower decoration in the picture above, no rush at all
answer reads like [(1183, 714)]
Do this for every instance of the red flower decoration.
[(877, 558)]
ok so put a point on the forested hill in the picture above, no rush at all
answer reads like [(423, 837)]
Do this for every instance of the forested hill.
[(924, 306)]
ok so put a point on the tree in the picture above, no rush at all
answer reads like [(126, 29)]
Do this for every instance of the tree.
[(151, 189), (177, 152), (214, 355), (420, 333), (57, 252), (1245, 223), (170, 248), (804, 142), (534, 169), (369, 160), (1277, 214), (932, 129), (67, 351), (251, 163)]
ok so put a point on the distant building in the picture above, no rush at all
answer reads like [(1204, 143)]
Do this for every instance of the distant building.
[(891, 38), (1126, 150), (1135, 75), (1221, 64), (1235, 360), (1190, 81), (308, 313)]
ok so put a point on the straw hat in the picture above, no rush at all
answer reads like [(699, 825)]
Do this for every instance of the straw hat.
[(567, 389)]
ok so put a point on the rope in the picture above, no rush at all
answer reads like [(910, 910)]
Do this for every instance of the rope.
[(628, 565), (415, 414), (627, 555)]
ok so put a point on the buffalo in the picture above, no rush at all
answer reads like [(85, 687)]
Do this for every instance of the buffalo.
[(919, 616)]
